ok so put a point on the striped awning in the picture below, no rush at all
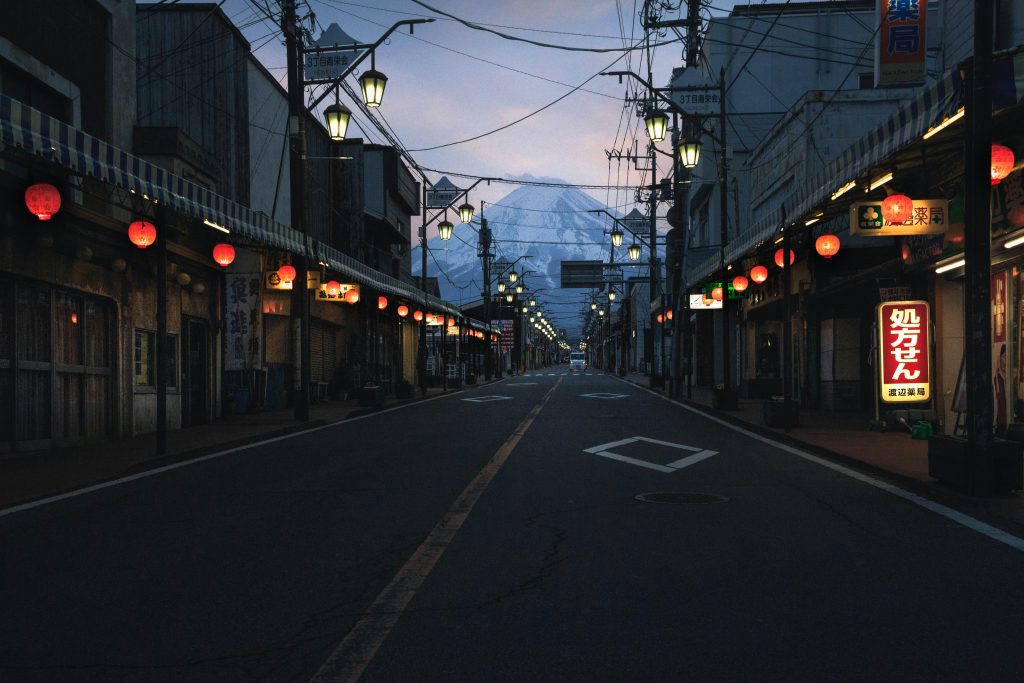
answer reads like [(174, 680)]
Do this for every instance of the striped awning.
[(33, 132), (36, 133), (937, 101)]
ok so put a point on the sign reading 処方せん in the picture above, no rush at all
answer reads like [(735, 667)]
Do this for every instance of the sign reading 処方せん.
[(904, 345), (929, 217)]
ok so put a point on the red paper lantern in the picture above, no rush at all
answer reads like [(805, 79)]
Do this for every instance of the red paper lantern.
[(758, 274), (333, 289), (142, 233), (905, 252), (382, 303), (43, 200), (716, 293), (1002, 163), (402, 311), (417, 316), (451, 321), (352, 296), (827, 245), (224, 254), (660, 319), (778, 257), (897, 208), (286, 273), (668, 314), (740, 283)]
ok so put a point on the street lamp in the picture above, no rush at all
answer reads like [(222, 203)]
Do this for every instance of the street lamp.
[(501, 287), (611, 295), (513, 275), (444, 230), (617, 235), (509, 297), (372, 83), (533, 302), (657, 124), (466, 213), (593, 305), (689, 152), (337, 116), (634, 252), (519, 288)]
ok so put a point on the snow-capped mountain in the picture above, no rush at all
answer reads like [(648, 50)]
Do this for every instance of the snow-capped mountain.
[(550, 224)]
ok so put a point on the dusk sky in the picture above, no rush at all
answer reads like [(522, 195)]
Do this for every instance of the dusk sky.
[(448, 83)]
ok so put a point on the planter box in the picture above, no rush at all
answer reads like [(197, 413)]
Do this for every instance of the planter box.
[(949, 461), (724, 399), (371, 396), (779, 413)]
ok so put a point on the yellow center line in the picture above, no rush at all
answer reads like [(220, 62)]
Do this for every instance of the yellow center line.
[(350, 659)]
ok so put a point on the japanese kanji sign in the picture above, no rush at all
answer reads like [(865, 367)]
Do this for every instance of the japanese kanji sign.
[(242, 320), (930, 217), (905, 349), (900, 42)]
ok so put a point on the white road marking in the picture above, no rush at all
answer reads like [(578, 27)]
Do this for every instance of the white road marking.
[(521, 384), (604, 450), (949, 513), (210, 456), (604, 395), (486, 399)]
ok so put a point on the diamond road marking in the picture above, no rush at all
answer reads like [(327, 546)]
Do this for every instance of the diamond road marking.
[(604, 395), (487, 399), (698, 454)]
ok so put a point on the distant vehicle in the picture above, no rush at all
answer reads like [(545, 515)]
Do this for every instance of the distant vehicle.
[(577, 361)]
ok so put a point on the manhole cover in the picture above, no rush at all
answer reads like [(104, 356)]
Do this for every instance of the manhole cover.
[(670, 498)]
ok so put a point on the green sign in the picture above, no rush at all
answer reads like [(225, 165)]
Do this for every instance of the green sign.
[(869, 217), (733, 294)]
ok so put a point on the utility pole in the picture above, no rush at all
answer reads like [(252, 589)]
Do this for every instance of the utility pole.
[(653, 211), (692, 28), (978, 254), (485, 254), (296, 145), (423, 288), (728, 401)]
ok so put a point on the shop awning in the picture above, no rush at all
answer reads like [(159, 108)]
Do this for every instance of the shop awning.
[(33, 132), (936, 102)]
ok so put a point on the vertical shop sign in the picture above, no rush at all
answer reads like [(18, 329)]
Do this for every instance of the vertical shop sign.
[(1000, 281), (242, 311), (905, 349), (900, 42)]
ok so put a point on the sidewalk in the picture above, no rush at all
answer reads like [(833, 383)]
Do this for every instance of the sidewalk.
[(845, 436), (37, 474)]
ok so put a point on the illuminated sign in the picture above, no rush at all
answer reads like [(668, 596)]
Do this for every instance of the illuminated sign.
[(929, 217), (905, 348), (697, 303), (343, 289)]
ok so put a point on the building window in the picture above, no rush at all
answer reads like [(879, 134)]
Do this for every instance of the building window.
[(145, 359), (145, 353)]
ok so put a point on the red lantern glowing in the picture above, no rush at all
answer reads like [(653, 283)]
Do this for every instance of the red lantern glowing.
[(43, 200), (897, 208), (352, 296), (778, 257), (451, 321), (716, 293), (668, 314), (142, 234), (286, 273), (905, 252), (827, 245), (740, 283), (1002, 163), (224, 254), (758, 274), (417, 316), (402, 311), (333, 289), (660, 319), (382, 303)]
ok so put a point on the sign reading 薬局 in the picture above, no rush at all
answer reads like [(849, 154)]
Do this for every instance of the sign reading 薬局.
[(905, 349), (900, 42), (929, 217)]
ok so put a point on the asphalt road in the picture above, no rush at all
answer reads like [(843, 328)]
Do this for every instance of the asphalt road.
[(501, 539)]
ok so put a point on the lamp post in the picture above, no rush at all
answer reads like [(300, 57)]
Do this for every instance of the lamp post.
[(337, 122)]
